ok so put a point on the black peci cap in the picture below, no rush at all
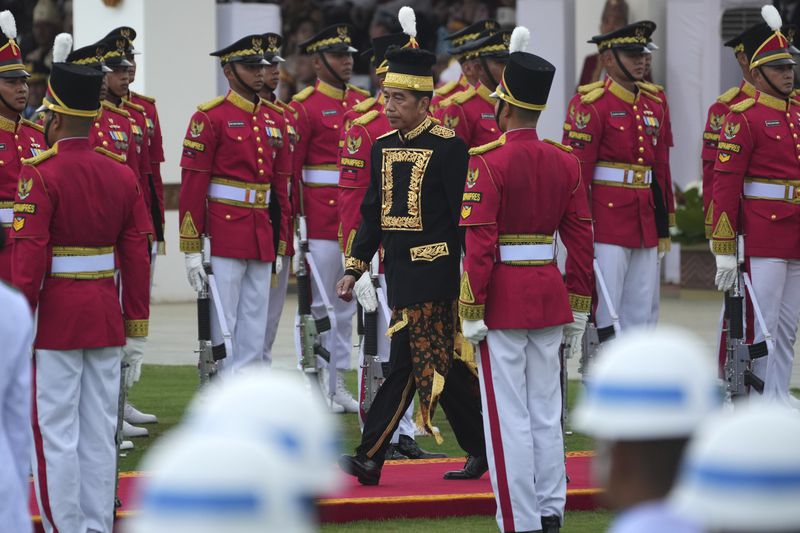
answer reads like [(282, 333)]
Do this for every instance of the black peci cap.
[(74, 90), (409, 68), (631, 38), (526, 81), (336, 38), (247, 50)]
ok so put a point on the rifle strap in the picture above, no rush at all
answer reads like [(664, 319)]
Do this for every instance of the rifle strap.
[(759, 317), (223, 324), (312, 265), (607, 297)]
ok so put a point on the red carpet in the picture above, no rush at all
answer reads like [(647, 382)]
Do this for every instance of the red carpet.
[(410, 489)]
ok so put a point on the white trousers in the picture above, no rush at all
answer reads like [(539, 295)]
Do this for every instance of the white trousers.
[(244, 296), (330, 263), (277, 297), (776, 283), (75, 417), (521, 400), (407, 426), (16, 332), (630, 276)]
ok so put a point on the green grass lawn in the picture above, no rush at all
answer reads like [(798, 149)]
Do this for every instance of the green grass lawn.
[(167, 390)]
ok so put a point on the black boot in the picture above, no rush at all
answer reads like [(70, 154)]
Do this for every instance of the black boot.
[(551, 524), (409, 447), (392, 454), (366, 470), (474, 468)]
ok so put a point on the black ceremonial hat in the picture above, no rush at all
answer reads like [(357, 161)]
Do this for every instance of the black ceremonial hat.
[(248, 49), (526, 81), (90, 56), (73, 90), (115, 51), (336, 38), (127, 33), (470, 33), (272, 47), (493, 44), (631, 38)]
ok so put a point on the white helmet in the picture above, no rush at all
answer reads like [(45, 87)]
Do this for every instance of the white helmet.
[(275, 408), (208, 483), (741, 471), (647, 385)]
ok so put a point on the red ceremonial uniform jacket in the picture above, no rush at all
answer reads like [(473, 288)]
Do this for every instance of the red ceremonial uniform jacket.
[(112, 136), (73, 203), (714, 121), (156, 150), (320, 119), (19, 140), (290, 115), (443, 94), (229, 144), (521, 191), (354, 170), (471, 114), (757, 174), (622, 132), (278, 136)]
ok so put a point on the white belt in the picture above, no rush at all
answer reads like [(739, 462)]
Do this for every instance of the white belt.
[(237, 194), (316, 176), (622, 175), (6, 215), (772, 191), (526, 252), (72, 264)]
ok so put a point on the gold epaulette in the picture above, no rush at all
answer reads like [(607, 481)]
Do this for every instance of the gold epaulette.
[(143, 97), (111, 107), (35, 160), (363, 106), (593, 95), (272, 106), (446, 88), (304, 94), (728, 95), (37, 127), (434, 119), (359, 90), (557, 144), (653, 97), (137, 107), (589, 87), (743, 106), (482, 149), (211, 104), (464, 96), (443, 132), (387, 134), (366, 118), (650, 87), (116, 157)]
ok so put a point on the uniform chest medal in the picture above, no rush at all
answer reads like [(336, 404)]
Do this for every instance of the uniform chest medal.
[(651, 125), (274, 136), (120, 139), (151, 127), (36, 148)]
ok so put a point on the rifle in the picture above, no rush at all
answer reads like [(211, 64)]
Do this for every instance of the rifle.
[(118, 438), (591, 342), (208, 353), (372, 371)]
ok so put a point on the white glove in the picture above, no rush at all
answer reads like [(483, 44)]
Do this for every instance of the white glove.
[(365, 293), (296, 256), (726, 271), (133, 354), (194, 271), (573, 334), (661, 255), (279, 264), (474, 330)]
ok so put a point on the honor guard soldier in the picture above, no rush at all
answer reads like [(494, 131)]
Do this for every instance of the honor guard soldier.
[(715, 118), (411, 211), (469, 66), (280, 215), (755, 196), (617, 133), (471, 112), (19, 138), (320, 110), (228, 176), (64, 261), (519, 192)]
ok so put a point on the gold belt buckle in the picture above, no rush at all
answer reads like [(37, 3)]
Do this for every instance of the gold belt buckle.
[(638, 177), (261, 198)]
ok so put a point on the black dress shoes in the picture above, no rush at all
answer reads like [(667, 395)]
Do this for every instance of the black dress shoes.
[(474, 468), (366, 470), (551, 524), (409, 447), (393, 455)]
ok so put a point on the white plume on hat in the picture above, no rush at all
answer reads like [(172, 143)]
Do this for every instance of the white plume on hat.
[(519, 39), (408, 21), (8, 24), (771, 17), (62, 46)]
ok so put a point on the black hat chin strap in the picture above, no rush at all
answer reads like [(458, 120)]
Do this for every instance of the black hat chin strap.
[(331, 71), (625, 71), (5, 103), (488, 72), (241, 81), (769, 82), (500, 106)]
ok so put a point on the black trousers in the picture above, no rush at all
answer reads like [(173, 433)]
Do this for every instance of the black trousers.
[(460, 401)]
